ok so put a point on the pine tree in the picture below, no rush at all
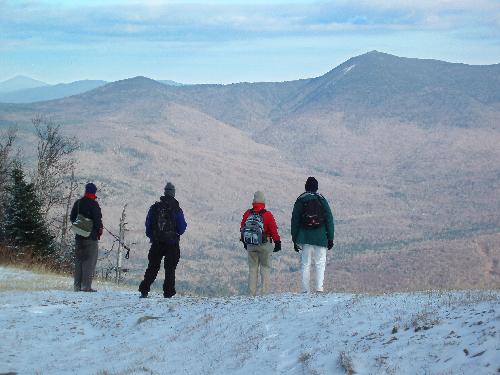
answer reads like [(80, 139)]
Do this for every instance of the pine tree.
[(25, 225)]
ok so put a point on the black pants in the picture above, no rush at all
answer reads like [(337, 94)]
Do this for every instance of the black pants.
[(156, 253)]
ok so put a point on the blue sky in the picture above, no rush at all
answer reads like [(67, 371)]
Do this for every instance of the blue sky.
[(232, 41)]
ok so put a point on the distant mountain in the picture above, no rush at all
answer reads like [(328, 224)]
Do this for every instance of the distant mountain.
[(426, 92), (49, 92), (20, 83), (368, 87)]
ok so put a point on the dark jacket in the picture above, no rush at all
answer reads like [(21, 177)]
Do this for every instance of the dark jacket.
[(180, 221), (318, 236), (91, 210)]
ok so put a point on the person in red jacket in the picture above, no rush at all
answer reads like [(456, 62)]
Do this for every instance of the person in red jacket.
[(258, 231)]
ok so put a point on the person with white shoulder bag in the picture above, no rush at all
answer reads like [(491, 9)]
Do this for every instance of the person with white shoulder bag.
[(86, 219)]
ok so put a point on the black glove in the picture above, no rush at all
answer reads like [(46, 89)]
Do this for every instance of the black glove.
[(296, 247), (330, 244), (277, 246)]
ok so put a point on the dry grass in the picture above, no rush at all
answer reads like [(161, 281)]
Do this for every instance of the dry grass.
[(23, 258), (32, 276), (345, 362), (140, 370)]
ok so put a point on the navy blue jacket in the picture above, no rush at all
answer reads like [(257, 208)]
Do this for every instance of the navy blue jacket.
[(180, 221)]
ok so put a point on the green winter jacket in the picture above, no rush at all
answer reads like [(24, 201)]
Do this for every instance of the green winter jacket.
[(318, 236)]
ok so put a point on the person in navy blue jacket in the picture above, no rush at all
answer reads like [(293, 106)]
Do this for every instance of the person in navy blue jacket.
[(165, 223)]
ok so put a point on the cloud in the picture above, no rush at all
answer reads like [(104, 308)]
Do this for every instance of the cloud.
[(218, 21)]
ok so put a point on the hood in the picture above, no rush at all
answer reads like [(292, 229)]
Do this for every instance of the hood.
[(258, 206), (167, 198)]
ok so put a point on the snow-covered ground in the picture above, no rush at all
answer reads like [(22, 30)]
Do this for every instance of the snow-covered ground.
[(115, 332)]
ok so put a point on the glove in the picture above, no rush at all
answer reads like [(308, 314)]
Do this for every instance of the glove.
[(99, 233), (330, 244), (296, 247), (277, 246)]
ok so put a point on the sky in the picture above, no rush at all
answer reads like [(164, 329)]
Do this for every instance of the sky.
[(222, 41)]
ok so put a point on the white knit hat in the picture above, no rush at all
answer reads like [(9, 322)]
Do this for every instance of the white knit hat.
[(258, 197)]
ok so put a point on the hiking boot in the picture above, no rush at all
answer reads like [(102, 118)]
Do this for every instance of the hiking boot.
[(89, 290), (143, 295)]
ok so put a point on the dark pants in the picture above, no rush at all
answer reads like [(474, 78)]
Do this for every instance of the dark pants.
[(156, 253), (85, 262)]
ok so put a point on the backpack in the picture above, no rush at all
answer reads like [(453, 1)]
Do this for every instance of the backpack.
[(163, 222), (313, 214), (252, 232), (82, 225)]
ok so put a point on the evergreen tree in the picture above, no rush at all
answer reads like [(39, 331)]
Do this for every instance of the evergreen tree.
[(24, 224)]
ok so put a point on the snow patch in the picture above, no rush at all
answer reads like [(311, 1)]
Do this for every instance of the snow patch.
[(63, 332), (11, 274), (348, 69)]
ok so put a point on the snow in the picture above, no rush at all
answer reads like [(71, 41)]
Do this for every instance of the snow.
[(348, 69), (115, 332), (10, 274)]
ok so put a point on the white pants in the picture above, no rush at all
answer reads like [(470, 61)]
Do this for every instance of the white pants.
[(318, 254)]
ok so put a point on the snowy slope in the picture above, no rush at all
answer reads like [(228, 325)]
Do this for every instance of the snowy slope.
[(115, 332)]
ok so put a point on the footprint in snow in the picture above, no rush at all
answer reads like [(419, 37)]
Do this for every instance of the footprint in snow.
[(145, 318)]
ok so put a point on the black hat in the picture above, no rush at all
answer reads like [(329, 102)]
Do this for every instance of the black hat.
[(90, 188), (312, 184), (170, 189)]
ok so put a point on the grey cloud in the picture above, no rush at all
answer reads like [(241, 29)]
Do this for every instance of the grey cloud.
[(191, 22)]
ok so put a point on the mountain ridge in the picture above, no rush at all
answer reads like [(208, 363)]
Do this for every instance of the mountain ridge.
[(49, 92), (371, 85)]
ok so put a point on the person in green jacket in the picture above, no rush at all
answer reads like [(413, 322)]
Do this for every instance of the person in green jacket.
[(312, 232)]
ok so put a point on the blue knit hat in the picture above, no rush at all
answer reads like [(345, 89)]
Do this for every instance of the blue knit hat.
[(90, 188)]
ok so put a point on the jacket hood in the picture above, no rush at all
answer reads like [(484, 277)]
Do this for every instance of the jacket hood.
[(167, 198), (258, 206)]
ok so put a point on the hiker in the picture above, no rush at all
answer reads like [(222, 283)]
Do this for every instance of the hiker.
[(312, 232), (165, 224), (258, 230), (86, 210)]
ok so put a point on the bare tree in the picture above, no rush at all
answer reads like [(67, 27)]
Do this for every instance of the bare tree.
[(6, 163), (6, 145), (63, 245), (54, 164)]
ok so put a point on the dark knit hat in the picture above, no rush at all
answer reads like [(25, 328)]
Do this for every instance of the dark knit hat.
[(312, 184), (170, 189), (90, 188)]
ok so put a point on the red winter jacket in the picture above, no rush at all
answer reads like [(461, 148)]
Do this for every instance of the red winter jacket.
[(270, 227)]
